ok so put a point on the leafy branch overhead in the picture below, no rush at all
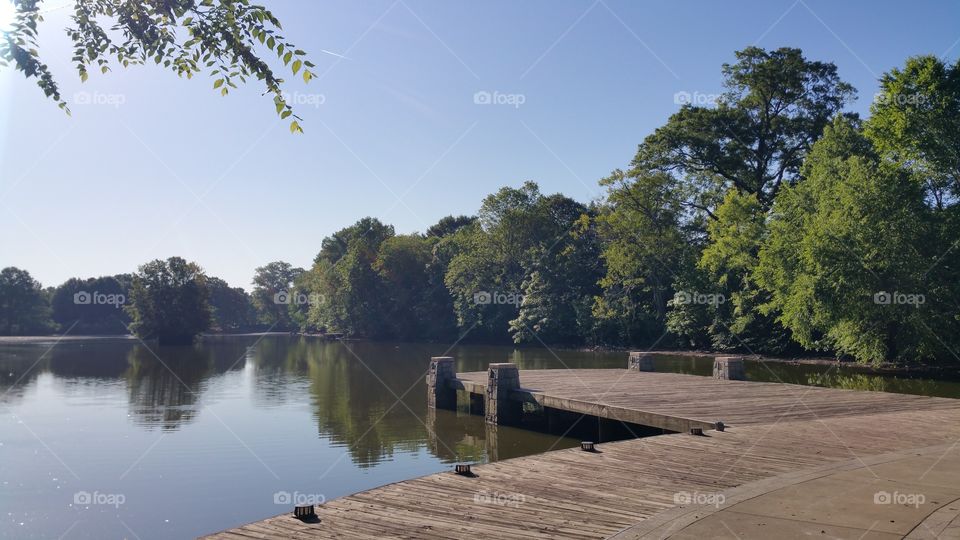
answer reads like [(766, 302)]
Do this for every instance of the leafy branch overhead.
[(227, 37)]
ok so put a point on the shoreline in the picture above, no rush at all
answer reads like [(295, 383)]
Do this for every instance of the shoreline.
[(883, 369)]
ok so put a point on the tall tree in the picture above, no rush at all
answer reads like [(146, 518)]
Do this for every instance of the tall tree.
[(231, 307), (644, 245), (848, 257), (775, 106), (23, 307), (169, 301), (915, 122), (746, 148), (519, 232), (272, 287), (94, 305), (343, 275)]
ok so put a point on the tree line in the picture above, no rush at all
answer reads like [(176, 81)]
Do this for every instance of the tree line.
[(772, 221)]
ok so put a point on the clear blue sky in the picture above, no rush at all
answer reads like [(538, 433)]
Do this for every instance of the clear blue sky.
[(157, 166)]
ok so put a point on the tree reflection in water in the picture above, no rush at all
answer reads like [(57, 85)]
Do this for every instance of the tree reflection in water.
[(367, 398)]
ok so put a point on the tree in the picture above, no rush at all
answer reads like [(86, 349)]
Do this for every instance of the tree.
[(23, 307), (449, 225), (185, 36), (729, 261), (915, 122), (848, 254), (403, 267), (94, 305), (643, 247), (272, 286), (519, 232), (343, 276), (727, 163), (231, 307), (169, 301), (774, 108)]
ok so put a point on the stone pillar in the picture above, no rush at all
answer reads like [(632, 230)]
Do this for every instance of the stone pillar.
[(500, 409), (640, 361), (729, 368), (440, 394), (493, 442)]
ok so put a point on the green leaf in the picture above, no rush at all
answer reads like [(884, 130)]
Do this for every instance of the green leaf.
[(296, 66), (295, 127), (287, 57), (218, 83)]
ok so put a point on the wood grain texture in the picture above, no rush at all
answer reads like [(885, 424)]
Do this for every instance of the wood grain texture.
[(772, 429)]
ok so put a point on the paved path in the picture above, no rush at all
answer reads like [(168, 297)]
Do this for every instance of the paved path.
[(914, 494)]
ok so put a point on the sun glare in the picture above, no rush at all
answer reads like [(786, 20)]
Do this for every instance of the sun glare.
[(7, 14)]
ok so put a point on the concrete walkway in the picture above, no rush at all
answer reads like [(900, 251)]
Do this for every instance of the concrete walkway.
[(910, 494)]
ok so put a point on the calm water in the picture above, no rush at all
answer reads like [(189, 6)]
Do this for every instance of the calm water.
[(109, 440)]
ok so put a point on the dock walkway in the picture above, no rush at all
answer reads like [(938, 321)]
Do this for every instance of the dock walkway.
[(734, 483)]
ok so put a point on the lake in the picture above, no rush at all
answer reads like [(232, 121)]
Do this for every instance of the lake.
[(114, 439)]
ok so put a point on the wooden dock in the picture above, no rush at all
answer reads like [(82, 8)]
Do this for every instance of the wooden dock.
[(638, 487)]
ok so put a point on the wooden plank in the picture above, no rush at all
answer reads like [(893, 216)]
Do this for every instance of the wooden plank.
[(775, 430)]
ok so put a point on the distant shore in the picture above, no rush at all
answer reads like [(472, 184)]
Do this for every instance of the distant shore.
[(31, 340), (884, 369)]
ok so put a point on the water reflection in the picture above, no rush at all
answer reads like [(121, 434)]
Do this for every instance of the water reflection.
[(170, 427)]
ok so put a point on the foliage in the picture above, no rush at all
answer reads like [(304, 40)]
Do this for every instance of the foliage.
[(772, 222), (23, 307), (774, 107), (848, 257), (522, 244), (272, 294), (185, 36), (915, 122), (92, 306), (643, 248), (169, 301), (344, 279), (231, 307)]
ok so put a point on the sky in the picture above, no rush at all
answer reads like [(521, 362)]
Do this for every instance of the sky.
[(419, 110)]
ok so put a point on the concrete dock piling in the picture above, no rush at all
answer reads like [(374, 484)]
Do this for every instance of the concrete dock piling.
[(501, 380), (729, 368), (440, 391), (640, 361)]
